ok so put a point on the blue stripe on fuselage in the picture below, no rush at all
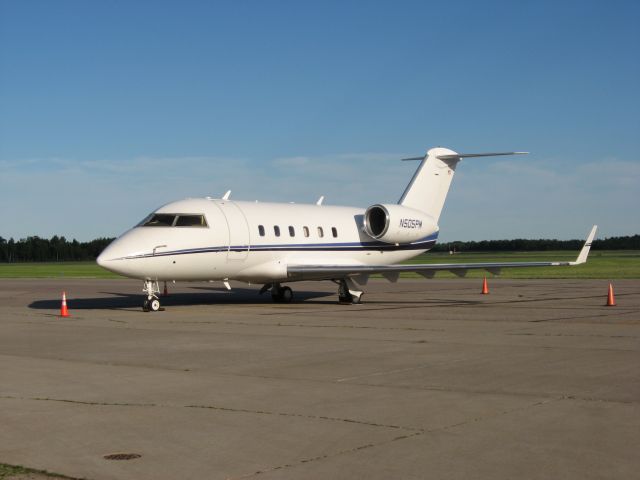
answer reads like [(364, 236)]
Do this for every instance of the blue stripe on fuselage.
[(423, 244)]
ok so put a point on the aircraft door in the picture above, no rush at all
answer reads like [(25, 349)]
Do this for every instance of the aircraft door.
[(239, 242)]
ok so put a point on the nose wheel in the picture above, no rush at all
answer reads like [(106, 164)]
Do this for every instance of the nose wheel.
[(152, 302), (152, 305)]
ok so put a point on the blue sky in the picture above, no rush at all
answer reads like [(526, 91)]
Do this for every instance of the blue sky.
[(110, 109)]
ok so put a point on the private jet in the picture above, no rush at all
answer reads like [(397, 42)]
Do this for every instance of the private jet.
[(270, 244)]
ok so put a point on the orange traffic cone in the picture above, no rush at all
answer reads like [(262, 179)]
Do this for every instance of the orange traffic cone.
[(485, 287), (611, 299), (64, 312), (165, 293)]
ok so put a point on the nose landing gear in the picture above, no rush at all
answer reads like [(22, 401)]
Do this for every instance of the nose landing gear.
[(152, 302)]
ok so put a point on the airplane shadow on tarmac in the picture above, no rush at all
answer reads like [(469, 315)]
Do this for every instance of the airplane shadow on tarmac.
[(119, 300)]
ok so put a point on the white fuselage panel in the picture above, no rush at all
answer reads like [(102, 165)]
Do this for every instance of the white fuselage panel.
[(251, 241)]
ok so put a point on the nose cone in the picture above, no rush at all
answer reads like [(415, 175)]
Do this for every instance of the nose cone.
[(119, 256), (108, 256), (111, 257), (128, 255), (101, 259)]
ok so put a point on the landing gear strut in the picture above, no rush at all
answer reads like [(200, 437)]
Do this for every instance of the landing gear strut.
[(152, 302), (280, 294), (348, 292)]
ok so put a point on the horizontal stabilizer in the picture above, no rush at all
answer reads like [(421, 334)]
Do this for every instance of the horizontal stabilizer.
[(466, 155), (471, 155)]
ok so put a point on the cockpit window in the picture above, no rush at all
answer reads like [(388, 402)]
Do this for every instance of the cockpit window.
[(191, 221), (160, 220), (174, 220)]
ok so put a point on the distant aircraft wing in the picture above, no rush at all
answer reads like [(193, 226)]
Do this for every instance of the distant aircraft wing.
[(391, 272)]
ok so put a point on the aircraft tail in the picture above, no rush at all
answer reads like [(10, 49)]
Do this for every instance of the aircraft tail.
[(429, 186)]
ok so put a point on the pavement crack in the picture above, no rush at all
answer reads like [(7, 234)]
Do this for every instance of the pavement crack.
[(116, 321), (311, 325), (494, 415), (81, 402), (213, 407), (600, 400), (418, 432), (346, 451), (590, 316), (593, 335), (301, 415)]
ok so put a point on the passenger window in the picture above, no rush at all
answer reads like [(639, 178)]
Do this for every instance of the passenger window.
[(261, 230), (334, 232), (305, 230), (320, 232), (191, 221), (276, 230), (292, 232), (160, 220)]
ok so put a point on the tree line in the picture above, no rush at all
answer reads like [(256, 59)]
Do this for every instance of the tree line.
[(59, 249), (630, 242), (54, 249)]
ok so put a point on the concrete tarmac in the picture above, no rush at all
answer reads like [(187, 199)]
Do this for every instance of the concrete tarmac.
[(426, 379)]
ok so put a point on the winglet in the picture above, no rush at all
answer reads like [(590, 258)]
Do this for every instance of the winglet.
[(584, 253)]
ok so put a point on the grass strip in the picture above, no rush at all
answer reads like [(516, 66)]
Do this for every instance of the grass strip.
[(7, 472)]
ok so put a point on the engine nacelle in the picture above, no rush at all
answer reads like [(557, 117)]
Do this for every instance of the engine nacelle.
[(393, 223)]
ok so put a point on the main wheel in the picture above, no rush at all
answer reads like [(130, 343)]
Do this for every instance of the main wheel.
[(145, 305), (286, 295), (345, 299), (282, 295), (154, 305)]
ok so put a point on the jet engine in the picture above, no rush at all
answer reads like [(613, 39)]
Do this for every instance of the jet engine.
[(393, 223)]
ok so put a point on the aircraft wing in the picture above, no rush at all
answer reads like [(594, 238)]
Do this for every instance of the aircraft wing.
[(392, 272)]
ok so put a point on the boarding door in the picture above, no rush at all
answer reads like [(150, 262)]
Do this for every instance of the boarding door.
[(238, 230)]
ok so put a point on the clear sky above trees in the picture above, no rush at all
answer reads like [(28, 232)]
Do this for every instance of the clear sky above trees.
[(110, 109)]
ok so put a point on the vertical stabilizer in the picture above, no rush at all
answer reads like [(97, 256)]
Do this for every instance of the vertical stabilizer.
[(430, 184)]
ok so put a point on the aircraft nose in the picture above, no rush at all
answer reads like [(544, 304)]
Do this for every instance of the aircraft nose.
[(102, 258), (107, 256), (111, 257), (125, 255)]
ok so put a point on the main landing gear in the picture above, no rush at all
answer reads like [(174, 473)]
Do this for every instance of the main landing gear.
[(279, 294), (347, 292), (152, 302)]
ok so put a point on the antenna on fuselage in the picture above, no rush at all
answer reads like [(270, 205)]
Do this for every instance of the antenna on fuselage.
[(320, 200), (226, 195)]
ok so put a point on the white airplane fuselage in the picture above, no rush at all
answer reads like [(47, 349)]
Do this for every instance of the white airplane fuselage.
[(273, 243), (240, 242)]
